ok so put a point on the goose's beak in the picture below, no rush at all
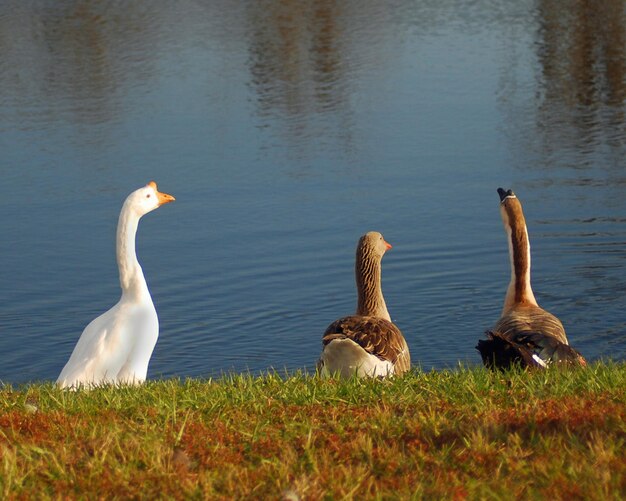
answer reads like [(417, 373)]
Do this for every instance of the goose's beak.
[(388, 245), (164, 198)]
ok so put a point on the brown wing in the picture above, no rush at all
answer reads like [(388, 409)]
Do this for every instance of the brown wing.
[(530, 319), (375, 335), (529, 349)]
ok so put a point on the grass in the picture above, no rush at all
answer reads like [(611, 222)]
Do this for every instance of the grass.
[(456, 434)]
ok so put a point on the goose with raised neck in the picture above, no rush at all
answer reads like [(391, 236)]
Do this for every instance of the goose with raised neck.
[(525, 333), (367, 344), (519, 292), (115, 348)]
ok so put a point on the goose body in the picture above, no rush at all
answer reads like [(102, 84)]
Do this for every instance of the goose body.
[(525, 333), (367, 344), (116, 347)]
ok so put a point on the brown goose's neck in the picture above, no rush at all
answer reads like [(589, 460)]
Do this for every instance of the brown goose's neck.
[(519, 292), (369, 287)]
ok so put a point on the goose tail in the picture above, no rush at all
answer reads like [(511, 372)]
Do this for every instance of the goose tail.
[(527, 349)]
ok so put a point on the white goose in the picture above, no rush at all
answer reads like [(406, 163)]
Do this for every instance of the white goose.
[(367, 344), (116, 347)]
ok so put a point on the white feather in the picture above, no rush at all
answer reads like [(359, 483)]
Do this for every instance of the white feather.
[(116, 347), (346, 358), (537, 359)]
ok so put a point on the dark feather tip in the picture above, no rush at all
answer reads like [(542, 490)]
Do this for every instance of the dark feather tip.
[(529, 349), (505, 193)]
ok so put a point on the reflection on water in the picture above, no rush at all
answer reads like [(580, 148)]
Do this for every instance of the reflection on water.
[(287, 129), (583, 77), (65, 60), (582, 55), (305, 62), (295, 62)]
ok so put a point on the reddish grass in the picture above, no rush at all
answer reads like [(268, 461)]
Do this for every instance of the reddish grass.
[(570, 447)]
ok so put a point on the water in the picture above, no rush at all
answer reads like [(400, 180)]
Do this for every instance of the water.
[(286, 130)]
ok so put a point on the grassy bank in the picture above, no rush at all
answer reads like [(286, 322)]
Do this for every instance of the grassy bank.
[(451, 434)]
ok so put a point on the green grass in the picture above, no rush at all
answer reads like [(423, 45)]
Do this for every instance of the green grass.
[(458, 434)]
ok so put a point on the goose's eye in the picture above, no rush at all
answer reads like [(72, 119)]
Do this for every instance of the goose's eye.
[(148, 195)]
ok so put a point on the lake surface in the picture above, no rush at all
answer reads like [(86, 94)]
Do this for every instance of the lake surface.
[(285, 130)]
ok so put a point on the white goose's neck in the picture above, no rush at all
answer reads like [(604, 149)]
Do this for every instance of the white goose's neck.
[(369, 287), (519, 291), (132, 280)]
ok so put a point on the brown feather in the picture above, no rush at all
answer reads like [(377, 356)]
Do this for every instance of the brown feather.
[(375, 335), (530, 319)]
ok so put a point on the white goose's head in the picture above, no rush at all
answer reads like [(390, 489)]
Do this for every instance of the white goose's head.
[(372, 244), (147, 199)]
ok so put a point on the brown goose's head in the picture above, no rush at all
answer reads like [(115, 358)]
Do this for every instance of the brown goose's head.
[(510, 208), (372, 244), (504, 194)]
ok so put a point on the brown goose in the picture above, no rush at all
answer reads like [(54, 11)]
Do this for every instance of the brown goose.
[(367, 344), (526, 333)]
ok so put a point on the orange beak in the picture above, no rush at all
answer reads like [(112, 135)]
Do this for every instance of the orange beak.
[(388, 245), (163, 198)]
